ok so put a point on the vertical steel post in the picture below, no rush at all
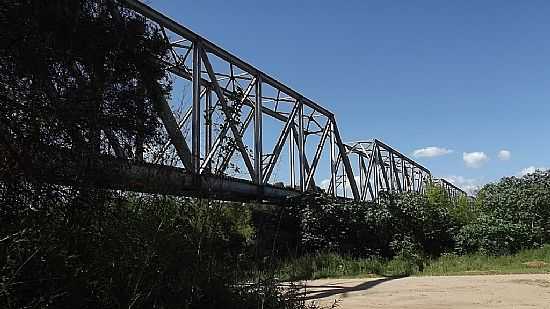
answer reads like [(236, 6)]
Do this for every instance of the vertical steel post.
[(332, 159), (258, 153), (196, 109), (301, 150), (392, 185), (404, 176), (361, 186), (291, 161), (375, 173), (344, 183), (208, 121), (412, 178)]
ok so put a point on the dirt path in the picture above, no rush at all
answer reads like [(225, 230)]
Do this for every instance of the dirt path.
[(487, 291)]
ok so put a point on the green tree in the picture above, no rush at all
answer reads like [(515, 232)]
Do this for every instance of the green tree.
[(76, 72), (511, 214), (437, 196)]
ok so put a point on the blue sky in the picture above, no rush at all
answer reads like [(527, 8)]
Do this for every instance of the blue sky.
[(466, 76)]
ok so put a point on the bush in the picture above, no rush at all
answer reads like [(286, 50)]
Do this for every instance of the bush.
[(513, 215), (425, 222), (276, 231), (128, 251), (369, 228), (494, 236), (524, 200), (325, 224), (331, 265), (464, 211)]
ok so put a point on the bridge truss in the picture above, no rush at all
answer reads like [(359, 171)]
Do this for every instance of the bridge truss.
[(247, 136), (382, 168), (453, 191)]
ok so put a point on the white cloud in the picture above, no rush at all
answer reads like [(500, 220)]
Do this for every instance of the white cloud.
[(474, 159), (432, 151), (530, 170), (470, 185), (504, 155), (325, 183)]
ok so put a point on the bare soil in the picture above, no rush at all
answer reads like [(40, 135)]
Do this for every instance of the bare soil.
[(477, 291)]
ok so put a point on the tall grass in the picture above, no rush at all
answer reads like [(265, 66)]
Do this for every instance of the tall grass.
[(330, 265), (526, 261)]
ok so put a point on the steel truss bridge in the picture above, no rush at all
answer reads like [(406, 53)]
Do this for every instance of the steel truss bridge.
[(279, 141)]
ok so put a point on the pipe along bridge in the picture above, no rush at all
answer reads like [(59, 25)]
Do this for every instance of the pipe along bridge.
[(244, 136)]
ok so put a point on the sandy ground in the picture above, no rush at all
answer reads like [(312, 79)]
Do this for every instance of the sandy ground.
[(486, 291)]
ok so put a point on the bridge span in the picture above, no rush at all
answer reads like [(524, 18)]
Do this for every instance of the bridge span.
[(244, 136)]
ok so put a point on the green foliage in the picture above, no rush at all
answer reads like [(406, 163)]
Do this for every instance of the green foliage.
[(344, 238), (330, 265), (74, 71), (369, 229), (276, 231), (525, 261), (437, 196), (341, 226), (408, 257), (83, 248), (513, 214), (130, 251), (494, 236), (525, 199), (427, 223), (464, 211)]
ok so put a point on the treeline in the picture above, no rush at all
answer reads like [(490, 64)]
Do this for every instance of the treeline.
[(406, 233), (505, 217)]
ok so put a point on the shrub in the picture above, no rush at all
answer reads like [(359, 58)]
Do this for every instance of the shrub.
[(464, 211), (428, 224), (369, 228), (513, 214), (128, 251), (494, 236), (325, 224), (524, 200)]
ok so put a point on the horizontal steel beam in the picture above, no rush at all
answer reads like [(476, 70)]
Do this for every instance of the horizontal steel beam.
[(64, 167)]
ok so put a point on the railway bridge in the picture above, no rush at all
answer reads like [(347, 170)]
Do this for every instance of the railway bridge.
[(246, 136)]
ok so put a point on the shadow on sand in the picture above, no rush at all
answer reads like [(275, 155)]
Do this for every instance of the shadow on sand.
[(313, 292)]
